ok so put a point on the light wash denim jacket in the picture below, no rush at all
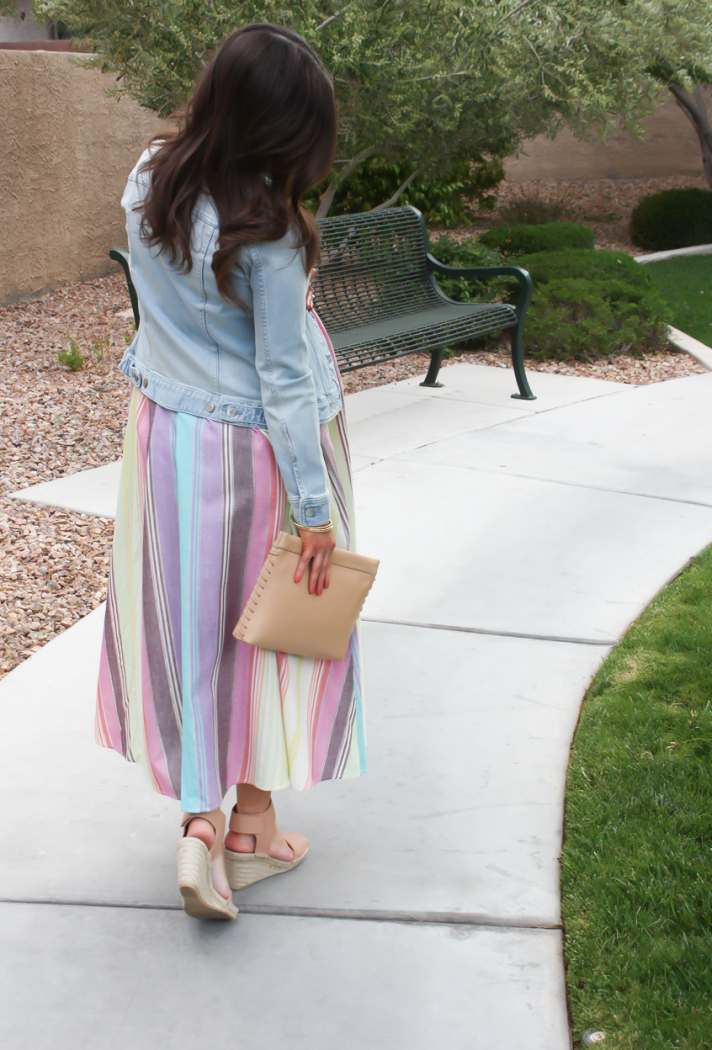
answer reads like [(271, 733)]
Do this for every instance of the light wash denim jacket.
[(267, 365)]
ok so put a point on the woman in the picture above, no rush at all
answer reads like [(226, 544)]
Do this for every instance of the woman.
[(235, 432)]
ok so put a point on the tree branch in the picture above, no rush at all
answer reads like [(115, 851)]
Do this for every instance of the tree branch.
[(511, 14), (695, 109), (327, 197), (401, 189), (328, 21)]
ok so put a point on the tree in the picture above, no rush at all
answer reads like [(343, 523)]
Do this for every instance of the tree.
[(433, 83), (676, 40)]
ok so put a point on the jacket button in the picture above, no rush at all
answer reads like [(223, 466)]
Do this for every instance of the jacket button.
[(231, 411), (210, 407), (310, 512), (145, 382)]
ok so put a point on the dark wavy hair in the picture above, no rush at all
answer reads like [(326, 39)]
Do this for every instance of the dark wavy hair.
[(258, 132)]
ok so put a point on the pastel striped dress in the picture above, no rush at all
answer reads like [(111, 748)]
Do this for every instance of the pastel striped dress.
[(200, 504)]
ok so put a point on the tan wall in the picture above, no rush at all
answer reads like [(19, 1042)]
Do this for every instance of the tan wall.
[(670, 147), (66, 151)]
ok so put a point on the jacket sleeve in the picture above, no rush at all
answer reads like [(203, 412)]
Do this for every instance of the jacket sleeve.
[(279, 289)]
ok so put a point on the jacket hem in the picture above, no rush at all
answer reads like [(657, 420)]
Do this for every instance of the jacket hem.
[(208, 405)]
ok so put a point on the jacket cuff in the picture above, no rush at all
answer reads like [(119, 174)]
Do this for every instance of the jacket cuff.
[(311, 511)]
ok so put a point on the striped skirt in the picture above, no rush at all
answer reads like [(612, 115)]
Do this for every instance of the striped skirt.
[(201, 503)]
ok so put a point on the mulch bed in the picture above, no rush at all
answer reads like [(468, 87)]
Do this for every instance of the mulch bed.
[(54, 564), (603, 204)]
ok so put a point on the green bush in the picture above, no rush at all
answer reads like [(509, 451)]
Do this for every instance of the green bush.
[(589, 319), (591, 304), (555, 266), (447, 199), (518, 238), (672, 219), (468, 252)]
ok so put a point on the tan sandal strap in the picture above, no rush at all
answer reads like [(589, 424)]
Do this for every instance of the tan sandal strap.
[(297, 843), (216, 818), (261, 825)]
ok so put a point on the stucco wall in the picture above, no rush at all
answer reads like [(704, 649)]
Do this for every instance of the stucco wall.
[(66, 151), (670, 147)]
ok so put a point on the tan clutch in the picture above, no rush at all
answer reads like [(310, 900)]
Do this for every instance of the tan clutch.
[(284, 616)]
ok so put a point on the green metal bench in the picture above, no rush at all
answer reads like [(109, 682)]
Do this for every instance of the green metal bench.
[(378, 298)]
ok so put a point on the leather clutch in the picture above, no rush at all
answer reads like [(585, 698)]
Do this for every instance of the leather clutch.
[(284, 616)]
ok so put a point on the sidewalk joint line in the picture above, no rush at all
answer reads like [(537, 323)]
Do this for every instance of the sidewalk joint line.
[(496, 634), (403, 456), (437, 918)]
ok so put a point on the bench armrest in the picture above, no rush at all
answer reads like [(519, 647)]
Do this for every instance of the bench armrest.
[(121, 256), (523, 276)]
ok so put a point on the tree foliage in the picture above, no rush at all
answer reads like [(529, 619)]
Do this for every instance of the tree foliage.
[(8, 7), (677, 50), (432, 84)]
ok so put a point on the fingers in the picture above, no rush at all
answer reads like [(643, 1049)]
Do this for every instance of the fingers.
[(302, 564), (316, 553), (319, 570), (310, 294)]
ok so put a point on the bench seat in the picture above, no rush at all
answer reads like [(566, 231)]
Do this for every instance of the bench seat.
[(418, 332)]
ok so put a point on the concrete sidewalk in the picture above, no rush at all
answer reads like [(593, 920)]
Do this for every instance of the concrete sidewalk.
[(518, 541)]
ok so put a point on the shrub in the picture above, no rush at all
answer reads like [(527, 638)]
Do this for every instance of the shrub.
[(447, 199), (672, 219), (555, 266), (519, 238), (592, 304), (584, 319), (468, 252)]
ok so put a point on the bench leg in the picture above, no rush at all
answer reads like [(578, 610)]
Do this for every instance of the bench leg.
[(525, 393), (436, 359)]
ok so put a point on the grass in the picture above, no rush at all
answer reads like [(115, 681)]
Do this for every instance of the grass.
[(637, 859), (686, 284)]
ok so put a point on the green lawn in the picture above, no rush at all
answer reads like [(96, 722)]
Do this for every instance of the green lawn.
[(686, 284), (637, 860)]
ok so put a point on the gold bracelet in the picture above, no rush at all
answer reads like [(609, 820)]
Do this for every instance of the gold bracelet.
[(316, 528)]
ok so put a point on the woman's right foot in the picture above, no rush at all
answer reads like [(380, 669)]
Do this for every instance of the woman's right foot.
[(255, 848), (239, 842)]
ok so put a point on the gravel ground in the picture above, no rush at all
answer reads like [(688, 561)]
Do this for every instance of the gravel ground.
[(54, 564)]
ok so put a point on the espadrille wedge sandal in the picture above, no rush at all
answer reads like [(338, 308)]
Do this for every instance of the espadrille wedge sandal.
[(245, 868), (195, 863)]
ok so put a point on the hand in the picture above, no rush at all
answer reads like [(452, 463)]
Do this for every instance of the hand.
[(317, 548), (310, 294)]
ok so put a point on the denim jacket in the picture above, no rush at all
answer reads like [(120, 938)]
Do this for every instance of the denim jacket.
[(267, 365)]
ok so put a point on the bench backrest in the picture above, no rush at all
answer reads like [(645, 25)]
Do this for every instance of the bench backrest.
[(372, 268)]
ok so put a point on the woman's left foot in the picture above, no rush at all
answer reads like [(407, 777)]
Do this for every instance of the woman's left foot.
[(202, 879), (255, 848)]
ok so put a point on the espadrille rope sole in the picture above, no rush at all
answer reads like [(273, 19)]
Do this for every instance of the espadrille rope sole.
[(200, 898), (245, 868)]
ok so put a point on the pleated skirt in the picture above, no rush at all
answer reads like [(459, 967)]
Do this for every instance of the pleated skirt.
[(201, 503)]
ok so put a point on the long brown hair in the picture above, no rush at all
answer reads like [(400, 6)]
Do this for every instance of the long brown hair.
[(258, 132)]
